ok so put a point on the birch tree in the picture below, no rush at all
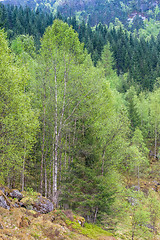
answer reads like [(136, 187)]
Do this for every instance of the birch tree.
[(154, 105), (64, 59)]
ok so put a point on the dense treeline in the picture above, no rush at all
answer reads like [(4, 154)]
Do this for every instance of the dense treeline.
[(18, 20), (139, 58), (130, 12), (73, 130)]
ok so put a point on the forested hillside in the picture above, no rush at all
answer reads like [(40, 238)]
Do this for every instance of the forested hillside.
[(79, 117), (95, 11), (137, 54)]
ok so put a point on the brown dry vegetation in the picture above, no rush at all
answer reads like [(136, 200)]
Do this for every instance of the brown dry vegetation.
[(23, 224)]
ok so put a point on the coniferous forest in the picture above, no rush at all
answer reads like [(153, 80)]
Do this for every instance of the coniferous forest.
[(80, 117)]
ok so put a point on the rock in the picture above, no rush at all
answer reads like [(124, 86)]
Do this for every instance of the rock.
[(27, 202), (40, 204), (1, 226), (4, 201), (5, 190), (16, 194), (43, 205), (1, 223), (151, 227), (2, 189), (132, 201), (80, 220)]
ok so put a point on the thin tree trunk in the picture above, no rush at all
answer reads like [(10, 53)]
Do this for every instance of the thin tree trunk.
[(69, 158), (138, 180), (57, 132), (55, 166), (133, 231), (55, 144), (65, 155), (64, 101), (45, 177), (60, 166), (103, 162), (95, 215), (155, 144), (13, 178), (53, 170), (60, 162), (74, 136), (23, 169), (8, 180), (43, 143), (49, 182)]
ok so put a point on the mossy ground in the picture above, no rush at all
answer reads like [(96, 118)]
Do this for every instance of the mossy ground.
[(24, 224)]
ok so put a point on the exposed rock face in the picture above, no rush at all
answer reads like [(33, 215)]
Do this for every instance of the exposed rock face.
[(37, 203), (4, 202), (5, 190), (2, 189), (43, 205), (16, 194)]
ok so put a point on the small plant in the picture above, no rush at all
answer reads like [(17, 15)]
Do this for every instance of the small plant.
[(35, 235), (30, 191)]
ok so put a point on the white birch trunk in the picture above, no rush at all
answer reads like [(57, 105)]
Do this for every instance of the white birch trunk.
[(43, 142), (55, 144)]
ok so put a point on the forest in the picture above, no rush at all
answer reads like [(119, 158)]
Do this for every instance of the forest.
[(96, 11), (79, 116)]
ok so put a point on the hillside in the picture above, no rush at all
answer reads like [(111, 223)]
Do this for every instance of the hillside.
[(95, 11), (29, 223), (79, 124)]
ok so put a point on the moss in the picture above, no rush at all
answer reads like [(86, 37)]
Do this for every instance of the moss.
[(93, 231), (90, 230)]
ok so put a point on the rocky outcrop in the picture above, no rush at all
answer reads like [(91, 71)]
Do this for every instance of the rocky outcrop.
[(33, 218), (21, 223), (4, 201), (16, 194), (43, 205), (37, 202)]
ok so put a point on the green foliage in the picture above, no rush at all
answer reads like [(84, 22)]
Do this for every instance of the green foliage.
[(90, 230), (30, 191), (24, 43), (154, 210), (94, 231), (132, 109), (19, 121), (140, 216), (136, 54), (77, 125), (151, 29)]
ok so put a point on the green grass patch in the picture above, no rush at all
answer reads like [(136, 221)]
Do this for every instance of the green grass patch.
[(90, 230), (94, 231)]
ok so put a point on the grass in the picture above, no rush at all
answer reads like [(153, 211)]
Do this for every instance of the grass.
[(90, 230), (93, 231)]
